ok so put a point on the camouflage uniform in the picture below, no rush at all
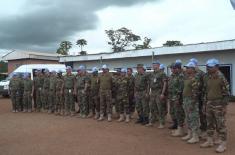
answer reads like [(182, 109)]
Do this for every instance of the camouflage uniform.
[(69, 82), (28, 85), (14, 87), (105, 93), (59, 107), (115, 92), (141, 95), (83, 87), (122, 95), (157, 106), (131, 95), (38, 85), (216, 94), (190, 102), (52, 93), (94, 95), (45, 91), (175, 89), (21, 94)]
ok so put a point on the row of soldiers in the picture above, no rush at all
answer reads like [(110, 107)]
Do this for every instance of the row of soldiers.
[(196, 100)]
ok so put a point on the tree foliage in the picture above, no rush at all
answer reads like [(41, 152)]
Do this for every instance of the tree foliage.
[(145, 44), (81, 43), (121, 38), (64, 47), (171, 43), (83, 53)]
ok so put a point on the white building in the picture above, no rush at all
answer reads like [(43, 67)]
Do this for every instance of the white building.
[(224, 51)]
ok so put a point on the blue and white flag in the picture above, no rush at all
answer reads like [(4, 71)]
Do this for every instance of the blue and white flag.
[(233, 3)]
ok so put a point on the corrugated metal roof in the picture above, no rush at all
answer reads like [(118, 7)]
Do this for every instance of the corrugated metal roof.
[(190, 48)]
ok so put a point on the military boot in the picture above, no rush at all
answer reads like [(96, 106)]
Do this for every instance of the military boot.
[(222, 147), (194, 139), (188, 136), (174, 125), (127, 118), (121, 118), (208, 143), (178, 132), (109, 117), (101, 117), (139, 120), (161, 126), (90, 115), (145, 121), (97, 114)]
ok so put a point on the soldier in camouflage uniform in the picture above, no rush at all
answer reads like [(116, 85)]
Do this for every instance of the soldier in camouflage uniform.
[(14, 90), (69, 92), (200, 74), (157, 104), (82, 88), (28, 93), (122, 96), (190, 103), (175, 89), (217, 96), (38, 84), (94, 94), (45, 90), (116, 77), (21, 92), (52, 93), (59, 107), (141, 94), (105, 93), (131, 94)]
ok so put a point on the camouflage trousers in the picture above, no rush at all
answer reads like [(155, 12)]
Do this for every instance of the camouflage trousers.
[(131, 102), (158, 108), (45, 99), (59, 105), (52, 100), (94, 103), (177, 112), (27, 100), (215, 114), (105, 101), (69, 101), (202, 114), (15, 99), (123, 103), (142, 105), (191, 110), (83, 103), (39, 98)]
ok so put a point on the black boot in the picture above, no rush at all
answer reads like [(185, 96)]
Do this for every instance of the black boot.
[(145, 120), (139, 120), (174, 125)]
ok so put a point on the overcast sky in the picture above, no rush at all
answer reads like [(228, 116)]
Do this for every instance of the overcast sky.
[(40, 25)]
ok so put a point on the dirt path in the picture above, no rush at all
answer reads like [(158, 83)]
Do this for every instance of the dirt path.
[(43, 134)]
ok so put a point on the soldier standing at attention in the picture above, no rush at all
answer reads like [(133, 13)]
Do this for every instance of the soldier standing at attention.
[(190, 103), (37, 90), (131, 88), (14, 86), (141, 95), (217, 97), (116, 77), (175, 91), (69, 92), (46, 85), (59, 95), (94, 95), (122, 96), (21, 92), (82, 87), (105, 93), (52, 93), (28, 93), (158, 85)]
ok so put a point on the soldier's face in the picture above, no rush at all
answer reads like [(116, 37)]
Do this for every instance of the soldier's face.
[(129, 72), (69, 71), (140, 70), (189, 70), (156, 66)]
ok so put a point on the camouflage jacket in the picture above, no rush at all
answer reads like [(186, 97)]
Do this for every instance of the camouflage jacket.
[(141, 82), (175, 86)]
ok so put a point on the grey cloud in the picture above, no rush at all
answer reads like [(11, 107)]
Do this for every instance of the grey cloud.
[(43, 24)]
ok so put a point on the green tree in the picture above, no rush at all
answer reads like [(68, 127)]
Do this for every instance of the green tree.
[(121, 38), (64, 47), (83, 53), (145, 44), (171, 43), (81, 43)]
